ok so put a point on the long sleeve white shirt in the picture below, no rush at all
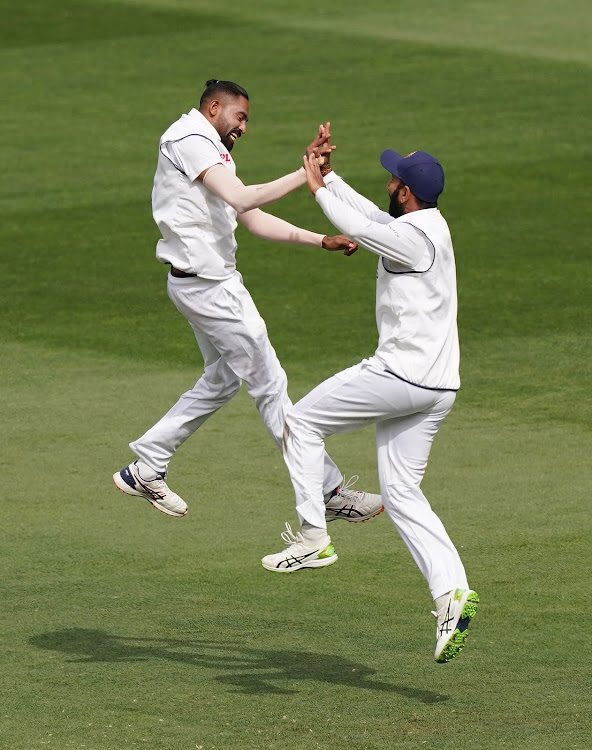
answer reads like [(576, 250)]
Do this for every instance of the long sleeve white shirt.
[(416, 301)]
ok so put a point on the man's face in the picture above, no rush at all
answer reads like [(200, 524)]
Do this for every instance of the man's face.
[(230, 119), (394, 187)]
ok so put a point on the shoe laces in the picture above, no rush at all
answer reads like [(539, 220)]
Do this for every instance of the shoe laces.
[(345, 490), (157, 483), (289, 537)]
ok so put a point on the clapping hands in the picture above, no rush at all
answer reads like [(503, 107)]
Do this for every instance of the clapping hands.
[(320, 146)]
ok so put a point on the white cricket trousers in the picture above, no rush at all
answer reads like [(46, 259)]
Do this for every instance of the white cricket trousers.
[(233, 340), (407, 418)]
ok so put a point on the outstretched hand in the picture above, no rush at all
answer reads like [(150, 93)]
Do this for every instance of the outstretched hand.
[(320, 146), (340, 242), (313, 173)]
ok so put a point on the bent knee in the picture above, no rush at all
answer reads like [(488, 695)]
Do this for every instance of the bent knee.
[(300, 423), (220, 382)]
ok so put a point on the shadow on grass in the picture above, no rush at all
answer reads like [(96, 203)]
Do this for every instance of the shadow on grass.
[(248, 670)]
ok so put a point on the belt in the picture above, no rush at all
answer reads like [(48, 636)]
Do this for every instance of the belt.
[(181, 274)]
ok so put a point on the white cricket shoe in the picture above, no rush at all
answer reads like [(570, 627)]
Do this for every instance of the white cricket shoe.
[(298, 555), (454, 616), (352, 505), (150, 485)]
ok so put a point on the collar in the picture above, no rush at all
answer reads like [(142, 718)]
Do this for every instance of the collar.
[(205, 124)]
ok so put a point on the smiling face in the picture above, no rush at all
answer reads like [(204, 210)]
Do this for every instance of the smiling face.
[(229, 115)]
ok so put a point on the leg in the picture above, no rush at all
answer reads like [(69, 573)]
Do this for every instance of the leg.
[(216, 387), (146, 476), (228, 316), (359, 396), (404, 445), (350, 400), (403, 448)]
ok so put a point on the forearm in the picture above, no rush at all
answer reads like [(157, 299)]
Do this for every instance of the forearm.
[(382, 239), (244, 198), (338, 186), (272, 228)]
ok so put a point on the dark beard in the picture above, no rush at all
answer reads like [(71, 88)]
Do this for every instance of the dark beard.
[(396, 208), (228, 141)]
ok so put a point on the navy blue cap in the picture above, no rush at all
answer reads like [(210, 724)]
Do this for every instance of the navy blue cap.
[(422, 173)]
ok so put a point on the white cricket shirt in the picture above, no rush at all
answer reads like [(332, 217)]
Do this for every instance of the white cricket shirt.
[(416, 300), (197, 226)]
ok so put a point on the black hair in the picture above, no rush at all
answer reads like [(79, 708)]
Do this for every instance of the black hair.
[(214, 87), (425, 204)]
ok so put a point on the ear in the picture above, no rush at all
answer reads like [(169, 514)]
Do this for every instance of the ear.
[(405, 194), (214, 107)]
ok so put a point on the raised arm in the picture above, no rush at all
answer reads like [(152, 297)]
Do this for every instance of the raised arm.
[(244, 198), (398, 242), (338, 187)]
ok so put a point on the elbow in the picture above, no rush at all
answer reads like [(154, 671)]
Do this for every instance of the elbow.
[(242, 206), (242, 202)]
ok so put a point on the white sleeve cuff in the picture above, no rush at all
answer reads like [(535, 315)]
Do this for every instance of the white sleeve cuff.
[(331, 177)]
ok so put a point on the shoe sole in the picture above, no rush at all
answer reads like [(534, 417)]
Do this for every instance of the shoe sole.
[(124, 487), (309, 565), (343, 517), (458, 638)]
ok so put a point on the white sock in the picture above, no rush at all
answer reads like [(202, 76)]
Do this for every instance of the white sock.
[(146, 472), (313, 536)]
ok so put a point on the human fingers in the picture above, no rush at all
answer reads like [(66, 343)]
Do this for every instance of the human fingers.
[(311, 166), (325, 148)]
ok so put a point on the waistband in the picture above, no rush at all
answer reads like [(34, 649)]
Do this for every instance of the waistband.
[(181, 274)]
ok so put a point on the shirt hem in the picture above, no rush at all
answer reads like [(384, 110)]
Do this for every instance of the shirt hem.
[(417, 385)]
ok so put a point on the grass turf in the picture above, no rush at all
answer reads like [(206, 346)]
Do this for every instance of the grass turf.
[(123, 628)]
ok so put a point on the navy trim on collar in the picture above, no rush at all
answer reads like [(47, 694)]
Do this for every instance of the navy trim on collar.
[(178, 140)]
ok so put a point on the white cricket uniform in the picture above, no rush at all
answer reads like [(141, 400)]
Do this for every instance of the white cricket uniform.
[(406, 388), (197, 226), (197, 230)]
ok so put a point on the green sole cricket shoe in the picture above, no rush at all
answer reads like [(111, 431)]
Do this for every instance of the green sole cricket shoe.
[(298, 555), (454, 617)]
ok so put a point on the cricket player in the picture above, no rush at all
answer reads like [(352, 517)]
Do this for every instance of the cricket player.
[(406, 388), (197, 199)]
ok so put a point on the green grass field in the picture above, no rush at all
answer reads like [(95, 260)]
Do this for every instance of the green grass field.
[(123, 628)]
